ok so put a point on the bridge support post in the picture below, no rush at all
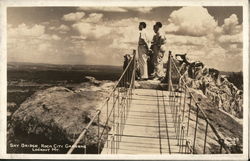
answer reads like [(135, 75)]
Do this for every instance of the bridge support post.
[(169, 71)]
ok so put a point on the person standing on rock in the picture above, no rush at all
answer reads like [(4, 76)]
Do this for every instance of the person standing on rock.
[(158, 48), (143, 51)]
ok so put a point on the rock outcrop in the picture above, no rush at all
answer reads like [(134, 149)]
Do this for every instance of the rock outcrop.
[(216, 87), (59, 114), (221, 101)]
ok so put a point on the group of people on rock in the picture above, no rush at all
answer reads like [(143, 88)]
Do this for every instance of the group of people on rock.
[(150, 56)]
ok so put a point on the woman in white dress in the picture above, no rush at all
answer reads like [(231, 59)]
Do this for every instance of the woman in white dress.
[(143, 51)]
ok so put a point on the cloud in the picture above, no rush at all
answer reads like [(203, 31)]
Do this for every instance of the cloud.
[(94, 18), (194, 31), (103, 9), (106, 41), (63, 28), (44, 46), (31, 43), (117, 9), (79, 37), (232, 43), (191, 21), (186, 40), (73, 16), (90, 31), (95, 39), (230, 36), (92, 27), (231, 25), (126, 33), (216, 46), (52, 28), (55, 37), (141, 9), (45, 37), (233, 46), (232, 39), (24, 30)]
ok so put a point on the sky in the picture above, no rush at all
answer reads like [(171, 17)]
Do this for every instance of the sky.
[(102, 35)]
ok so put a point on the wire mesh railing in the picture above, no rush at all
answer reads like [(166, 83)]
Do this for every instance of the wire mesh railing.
[(114, 110), (194, 131)]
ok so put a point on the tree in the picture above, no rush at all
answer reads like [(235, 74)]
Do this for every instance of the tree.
[(237, 79)]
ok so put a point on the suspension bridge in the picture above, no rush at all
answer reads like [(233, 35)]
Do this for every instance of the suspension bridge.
[(164, 120)]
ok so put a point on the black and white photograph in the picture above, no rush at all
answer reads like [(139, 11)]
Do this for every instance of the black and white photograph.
[(125, 80)]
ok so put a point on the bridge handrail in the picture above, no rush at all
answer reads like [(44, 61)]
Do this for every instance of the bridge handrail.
[(118, 82), (80, 137), (98, 111), (220, 140)]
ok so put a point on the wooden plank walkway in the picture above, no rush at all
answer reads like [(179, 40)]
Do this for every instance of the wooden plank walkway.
[(149, 128)]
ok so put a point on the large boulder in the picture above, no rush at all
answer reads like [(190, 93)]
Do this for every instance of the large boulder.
[(60, 114)]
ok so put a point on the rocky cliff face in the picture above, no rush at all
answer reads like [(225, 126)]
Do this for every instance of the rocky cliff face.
[(224, 94), (59, 114), (220, 99)]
